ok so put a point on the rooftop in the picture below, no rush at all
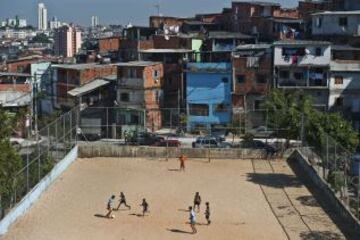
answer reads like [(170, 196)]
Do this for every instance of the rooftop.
[(137, 64), (260, 3), (153, 50), (228, 35), (80, 66), (253, 46), (344, 48), (300, 43), (10, 74), (344, 66), (88, 87), (337, 13)]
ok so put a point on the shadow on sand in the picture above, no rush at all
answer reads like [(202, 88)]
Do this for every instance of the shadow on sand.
[(173, 170), (178, 231), (275, 180), (136, 215), (101, 216)]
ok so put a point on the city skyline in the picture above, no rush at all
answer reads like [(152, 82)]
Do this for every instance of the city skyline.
[(113, 11)]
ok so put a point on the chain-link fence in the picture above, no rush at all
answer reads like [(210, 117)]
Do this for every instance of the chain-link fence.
[(194, 128), (40, 155), (339, 167)]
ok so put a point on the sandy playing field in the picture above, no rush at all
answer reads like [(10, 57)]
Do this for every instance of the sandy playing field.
[(249, 200)]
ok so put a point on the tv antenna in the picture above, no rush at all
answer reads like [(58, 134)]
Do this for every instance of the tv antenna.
[(157, 6)]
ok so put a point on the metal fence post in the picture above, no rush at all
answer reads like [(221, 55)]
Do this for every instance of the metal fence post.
[(107, 123), (209, 147), (70, 130), (27, 168), (56, 140), (327, 157)]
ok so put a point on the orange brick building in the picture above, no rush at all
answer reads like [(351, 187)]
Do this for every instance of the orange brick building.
[(139, 89), (70, 76)]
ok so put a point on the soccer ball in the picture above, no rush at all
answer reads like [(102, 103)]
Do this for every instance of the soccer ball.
[(112, 216)]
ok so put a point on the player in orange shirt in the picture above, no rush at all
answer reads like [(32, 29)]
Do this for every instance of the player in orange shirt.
[(182, 159)]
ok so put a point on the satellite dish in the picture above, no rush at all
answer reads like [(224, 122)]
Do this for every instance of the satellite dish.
[(167, 37)]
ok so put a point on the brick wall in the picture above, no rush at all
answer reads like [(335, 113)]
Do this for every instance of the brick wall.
[(21, 66), (173, 43), (109, 44)]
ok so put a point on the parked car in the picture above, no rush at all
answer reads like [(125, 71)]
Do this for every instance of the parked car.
[(257, 144), (261, 132), (143, 138), (162, 142), (210, 142), (219, 138)]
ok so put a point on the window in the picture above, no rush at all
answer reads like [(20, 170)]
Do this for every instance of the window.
[(318, 52), (225, 80), (124, 97), (131, 73), (199, 109), (299, 75), (293, 51), (343, 22), (241, 78), (134, 119), (339, 80), (284, 74), (261, 78), (339, 101), (257, 104), (155, 74), (318, 22), (222, 107), (122, 119)]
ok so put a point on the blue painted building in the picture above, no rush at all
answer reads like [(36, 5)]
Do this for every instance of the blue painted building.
[(208, 95)]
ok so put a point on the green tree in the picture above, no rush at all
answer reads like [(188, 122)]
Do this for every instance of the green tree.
[(41, 38), (294, 113), (10, 161)]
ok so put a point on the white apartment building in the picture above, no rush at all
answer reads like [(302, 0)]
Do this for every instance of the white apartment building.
[(42, 17), (303, 66)]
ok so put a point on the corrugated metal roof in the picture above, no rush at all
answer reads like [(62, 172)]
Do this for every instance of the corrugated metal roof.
[(89, 87), (253, 46), (14, 99)]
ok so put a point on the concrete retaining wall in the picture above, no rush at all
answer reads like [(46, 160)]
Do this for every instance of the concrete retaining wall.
[(90, 150), (324, 188), (37, 191)]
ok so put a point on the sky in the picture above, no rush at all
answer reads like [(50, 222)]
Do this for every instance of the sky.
[(114, 11)]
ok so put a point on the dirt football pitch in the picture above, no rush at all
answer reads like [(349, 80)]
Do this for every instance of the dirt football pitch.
[(249, 199)]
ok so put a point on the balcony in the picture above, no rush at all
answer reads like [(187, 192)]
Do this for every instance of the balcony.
[(302, 83), (292, 83)]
